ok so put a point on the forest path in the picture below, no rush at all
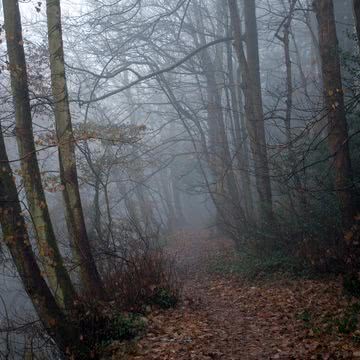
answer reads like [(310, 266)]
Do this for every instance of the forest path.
[(222, 317)]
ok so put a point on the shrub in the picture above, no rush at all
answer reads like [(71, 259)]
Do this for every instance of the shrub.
[(164, 298), (98, 325), (147, 278)]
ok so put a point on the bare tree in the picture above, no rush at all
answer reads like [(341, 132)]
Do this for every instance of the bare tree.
[(74, 212), (250, 67), (53, 262)]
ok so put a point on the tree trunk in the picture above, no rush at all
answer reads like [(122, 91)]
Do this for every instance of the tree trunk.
[(292, 160), (180, 217), (240, 138), (221, 163), (344, 21), (356, 4), (250, 67), (68, 172), (17, 240), (334, 101), (150, 224), (168, 200), (53, 264)]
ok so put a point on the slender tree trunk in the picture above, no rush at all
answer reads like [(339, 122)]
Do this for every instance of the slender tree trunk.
[(150, 224), (97, 210), (285, 39), (180, 217), (334, 101), (17, 240), (221, 162), (240, 139), (250, 67), (289, 83), (344, 21), (149, 220), (53, 264), (356, 4), (165, 188), (68, 172), (254, 83)]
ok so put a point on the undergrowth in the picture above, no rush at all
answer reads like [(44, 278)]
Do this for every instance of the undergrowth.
[(99, 325), (253, 266), (342, 323), (137, 281)]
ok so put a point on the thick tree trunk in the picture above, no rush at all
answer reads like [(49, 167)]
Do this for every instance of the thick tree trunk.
[(334, 101), (68, 172), (53, 264)]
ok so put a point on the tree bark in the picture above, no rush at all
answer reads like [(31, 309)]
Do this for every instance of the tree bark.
[(68, 172), (53, 264), (250, 67), (240, 136), (17, 240), (356, 4), (221, 163), (335, 109)]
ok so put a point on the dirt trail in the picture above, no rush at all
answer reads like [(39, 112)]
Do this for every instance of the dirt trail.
[(224, 318)]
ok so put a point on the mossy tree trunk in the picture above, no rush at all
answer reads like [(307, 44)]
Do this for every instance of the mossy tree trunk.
[(17, 240), (53, 263), (68, 172)]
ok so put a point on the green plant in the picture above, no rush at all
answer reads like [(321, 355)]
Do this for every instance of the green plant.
[(164, 298), (253, 265), (305, 316), (351, 285), (347, 324), (125, 327), (98, 326)]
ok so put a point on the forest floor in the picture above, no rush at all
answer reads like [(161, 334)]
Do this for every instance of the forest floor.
[(224, 317)]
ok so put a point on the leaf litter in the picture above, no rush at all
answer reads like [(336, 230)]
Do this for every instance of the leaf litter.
[(225, 317)]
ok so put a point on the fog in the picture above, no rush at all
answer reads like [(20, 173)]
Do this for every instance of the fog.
[(186, 117)]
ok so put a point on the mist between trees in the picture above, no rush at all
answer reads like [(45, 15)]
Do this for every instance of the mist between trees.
[(126, 121)]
